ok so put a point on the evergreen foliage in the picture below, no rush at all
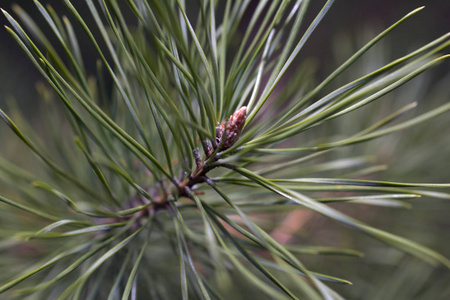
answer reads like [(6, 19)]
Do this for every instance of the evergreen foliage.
[(154, 177)]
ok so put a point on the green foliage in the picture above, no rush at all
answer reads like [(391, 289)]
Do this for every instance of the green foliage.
[(118, 202)]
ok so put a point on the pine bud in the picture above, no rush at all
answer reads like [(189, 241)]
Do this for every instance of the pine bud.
[(231, 128)]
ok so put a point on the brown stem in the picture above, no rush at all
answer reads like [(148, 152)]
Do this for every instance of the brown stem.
[(198, 176), (227, 133)]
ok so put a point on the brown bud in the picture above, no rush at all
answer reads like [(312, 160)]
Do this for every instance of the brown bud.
[(231, 128)]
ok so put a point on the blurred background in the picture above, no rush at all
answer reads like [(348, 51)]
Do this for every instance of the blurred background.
[(421, 154), (349, 17)]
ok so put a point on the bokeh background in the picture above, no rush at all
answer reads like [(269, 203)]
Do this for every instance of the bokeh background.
[(421, 154), (346, 17)]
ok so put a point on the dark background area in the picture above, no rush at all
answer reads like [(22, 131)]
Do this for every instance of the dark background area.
[(18, 75)]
